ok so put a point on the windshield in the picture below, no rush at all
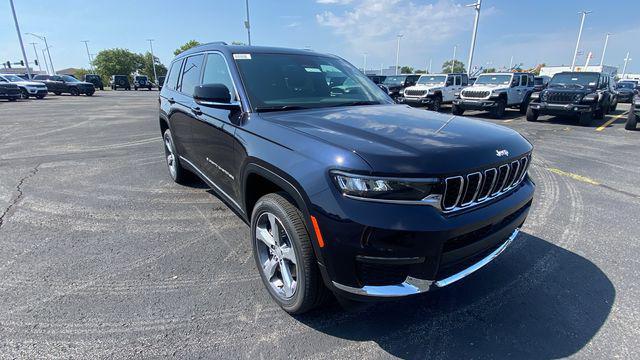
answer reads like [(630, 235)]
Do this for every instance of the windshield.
[(574, 80), (68, 78), (290, 81), (12, 78), (626, 85), (394, 80), (493, 80), (432, 80)]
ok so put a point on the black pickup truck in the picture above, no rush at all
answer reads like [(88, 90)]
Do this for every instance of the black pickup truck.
[(9, 91), (59, 84)]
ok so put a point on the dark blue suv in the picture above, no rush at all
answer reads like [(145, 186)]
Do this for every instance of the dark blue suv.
[(344, 190)]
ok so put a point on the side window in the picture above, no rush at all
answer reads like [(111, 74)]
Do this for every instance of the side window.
[(449, 80), (217, 72), (191, 74), (171, 82), (458, 80), (523, 80), (515, 81), (465, 80), (2, 80), (56, 78)]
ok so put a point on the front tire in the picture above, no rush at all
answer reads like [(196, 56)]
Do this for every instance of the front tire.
[(632, 121), (457, 110), (437, 104), (176, 171), (498, 111), (24, 94), (532, 114), (284, 254), (74, 92)]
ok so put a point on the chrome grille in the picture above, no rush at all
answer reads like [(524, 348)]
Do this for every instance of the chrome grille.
[(465, 191), (478, 94), (415, 92), (559, 97)]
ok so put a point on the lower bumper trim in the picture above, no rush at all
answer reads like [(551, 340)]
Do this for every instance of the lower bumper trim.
[(411, 285)]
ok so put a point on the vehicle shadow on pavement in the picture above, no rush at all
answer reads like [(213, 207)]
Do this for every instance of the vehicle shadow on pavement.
[(537, 300), (509, 114)]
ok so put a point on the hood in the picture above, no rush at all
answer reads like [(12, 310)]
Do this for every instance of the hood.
[(625, 91), (398, 139), (82, 83), (425, 87), (29, 83), (488, 87)]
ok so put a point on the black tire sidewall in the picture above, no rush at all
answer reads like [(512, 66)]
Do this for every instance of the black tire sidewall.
[(532, 115), (180, 172), (632, 121), (271, 203)]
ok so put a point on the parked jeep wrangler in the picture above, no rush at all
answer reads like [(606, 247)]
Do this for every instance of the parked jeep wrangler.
[(495, 92), (96, 80), (141, 81), (582, 95), (119, 81), (397, 83), (433, 90)]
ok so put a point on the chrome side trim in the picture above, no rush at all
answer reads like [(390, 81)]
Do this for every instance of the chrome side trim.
[(411, 285), (213, 184)]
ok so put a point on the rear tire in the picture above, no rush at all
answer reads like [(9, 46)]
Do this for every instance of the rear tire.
[(632, 121), (176, 171), (57, 93), (524, 105), (532, 114), (74, 92), (585, 119), (457, 110), (303, 290), (498, 111)]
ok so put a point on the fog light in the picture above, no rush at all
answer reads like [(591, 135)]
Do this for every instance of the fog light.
[(575, 109)]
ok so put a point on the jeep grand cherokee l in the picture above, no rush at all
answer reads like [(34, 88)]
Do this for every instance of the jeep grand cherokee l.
[(59, 84), (27, 87), (581, 95), (343, 191)]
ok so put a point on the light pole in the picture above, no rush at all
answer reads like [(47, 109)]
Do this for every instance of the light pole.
[(398, 53), (24, 53), (37, 58), (86, 44), (604, 51), (153, 61), (511, 63), (575, 53), (247, 24), (624, 69), (46, 46), (476, 6), (46, 65), (364, 65), (453, 61), (429, 69), (381, 65)]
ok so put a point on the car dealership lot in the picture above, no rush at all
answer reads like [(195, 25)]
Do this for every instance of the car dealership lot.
[(101, 253)]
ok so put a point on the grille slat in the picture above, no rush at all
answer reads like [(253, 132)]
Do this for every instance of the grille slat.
[(462, 192), (558, 97), (415, 92)]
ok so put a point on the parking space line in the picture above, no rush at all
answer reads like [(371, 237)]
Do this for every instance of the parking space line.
[(604, 126), (581, 178)]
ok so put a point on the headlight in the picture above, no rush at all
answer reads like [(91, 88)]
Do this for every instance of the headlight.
[(380, 188), (590, 97), (544, 96), (401, 91)]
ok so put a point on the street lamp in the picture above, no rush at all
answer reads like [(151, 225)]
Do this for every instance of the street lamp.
[(453, 61), (37, 58), (46, 65), (575, 53), (476, 6), (46, 46), (86, 44), (364, 65), (604, 51), (398, 53), (624, 69), (153, 61), (24, 54), (247, 24)]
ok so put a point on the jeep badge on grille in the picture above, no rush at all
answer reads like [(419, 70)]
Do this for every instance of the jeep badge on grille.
[(501, 153)]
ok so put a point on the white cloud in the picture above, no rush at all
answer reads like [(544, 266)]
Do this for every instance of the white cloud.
[(371, 26)]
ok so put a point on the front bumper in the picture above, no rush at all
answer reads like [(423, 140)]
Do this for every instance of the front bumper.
[(416, 101), (36, 91), (475, 104), (545, 108), (394, 250)]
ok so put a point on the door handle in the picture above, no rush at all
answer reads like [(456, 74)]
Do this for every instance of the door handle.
[(171, 101), (196, 111)]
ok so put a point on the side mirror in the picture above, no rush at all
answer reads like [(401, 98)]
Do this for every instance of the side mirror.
[(214, 95)]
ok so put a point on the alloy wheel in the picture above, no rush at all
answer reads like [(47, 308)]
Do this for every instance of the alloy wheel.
[(277, 258), (171, 157)]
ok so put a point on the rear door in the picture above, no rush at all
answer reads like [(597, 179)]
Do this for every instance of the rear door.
[(180, 126)]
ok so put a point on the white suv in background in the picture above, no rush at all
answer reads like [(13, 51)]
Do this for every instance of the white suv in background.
[(433, 90), (27, 88), (494, 92)]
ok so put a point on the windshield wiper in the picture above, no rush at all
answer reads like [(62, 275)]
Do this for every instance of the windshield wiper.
[(358, 103), (280, 108), (558, 85)]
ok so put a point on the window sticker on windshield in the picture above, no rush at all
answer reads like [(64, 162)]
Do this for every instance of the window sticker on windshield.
[(574, 79), (242, 56), (592, 84), (311, 69)]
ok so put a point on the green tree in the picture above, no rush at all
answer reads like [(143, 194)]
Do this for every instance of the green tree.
[(458, 67), (147, 66), (489, 70), (117, 62), (420, 71), (188, 45), (406, 70), (80, 73)]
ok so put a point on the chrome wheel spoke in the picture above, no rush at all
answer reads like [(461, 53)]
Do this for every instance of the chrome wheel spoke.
[(269, 268), (288, 254), (287, 280), (263, 235), (275, 229)]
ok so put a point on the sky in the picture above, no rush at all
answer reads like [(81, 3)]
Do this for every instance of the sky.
[(540, 31)]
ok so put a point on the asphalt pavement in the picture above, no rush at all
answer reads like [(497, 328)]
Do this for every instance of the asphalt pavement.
[(103, 256)]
